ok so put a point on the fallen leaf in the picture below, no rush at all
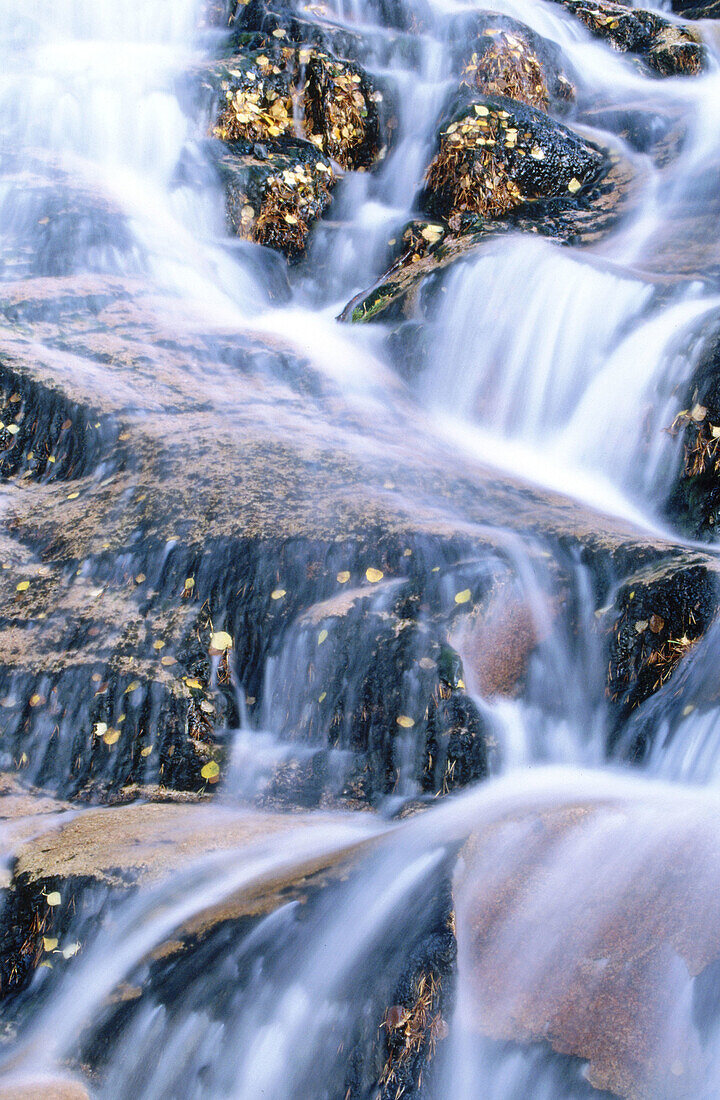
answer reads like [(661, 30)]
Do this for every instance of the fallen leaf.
[(220, 641), (211, 770), (463, 597), (374, 575), (405, 721), (53, 898)]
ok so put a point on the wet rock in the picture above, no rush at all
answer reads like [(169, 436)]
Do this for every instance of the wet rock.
[(665, 47), (509, 59), (495, 154), (50, 1088), (59, 222), (64, 875), (271, 91), (657, 618), (115, 582), (274, 194), (694, 501), (697, 9), (428, 248), (599, 965)]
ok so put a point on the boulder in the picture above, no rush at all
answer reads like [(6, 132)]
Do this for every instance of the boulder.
[(150, 570), (593, 927), (495, 154), (664, 47)]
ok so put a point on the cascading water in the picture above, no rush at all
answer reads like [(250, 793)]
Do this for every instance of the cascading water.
[(548, 932)]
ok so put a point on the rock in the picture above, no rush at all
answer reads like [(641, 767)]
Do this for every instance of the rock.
[(507, 58), (125, 556), (275, 198), (271, 91), (99, 855), (665, 47), (429, 248), (568, 945), (49, 1088), (697, 9), (495, 154), (658, 616), (694, 500)]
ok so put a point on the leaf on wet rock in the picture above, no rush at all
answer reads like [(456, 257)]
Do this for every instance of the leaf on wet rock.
[(463, 597), (220, 642), (343, 577), (405, 721), (53, 898), (210, 771), (374, 575)]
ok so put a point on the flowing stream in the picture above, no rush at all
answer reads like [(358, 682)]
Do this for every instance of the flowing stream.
[(555, 365)]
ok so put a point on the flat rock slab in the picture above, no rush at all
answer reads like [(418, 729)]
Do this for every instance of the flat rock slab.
[(584, 925)]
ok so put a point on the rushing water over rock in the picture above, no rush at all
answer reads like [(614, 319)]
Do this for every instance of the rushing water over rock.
[(294, 609)]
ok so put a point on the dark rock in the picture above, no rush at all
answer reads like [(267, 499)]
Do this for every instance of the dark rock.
[(507, 58), (225, 509), (665, 47), (494, 154), (694, 501), (275, 200)]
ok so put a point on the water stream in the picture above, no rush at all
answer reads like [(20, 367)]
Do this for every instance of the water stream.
[(557, 365)]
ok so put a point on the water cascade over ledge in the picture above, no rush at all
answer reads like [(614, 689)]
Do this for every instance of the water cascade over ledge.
[(360, 459)]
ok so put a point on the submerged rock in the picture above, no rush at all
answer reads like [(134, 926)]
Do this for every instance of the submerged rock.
[(601, 957), (139, 599), (665, 47)]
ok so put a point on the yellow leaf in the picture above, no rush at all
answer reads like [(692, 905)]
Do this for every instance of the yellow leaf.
[(405, 721), (374, 575), (159, 644), (36, 700), (221, 641), (193, 683), (13, 429), (53, 898), (49, 943), (23, 586), (112, 737), (277, 594), (322, 636), (146, 751), (463, 597), (73, 496), (574, 185), (343, 577), (132, 686), (140, 578), (211, 770), (322, 695)]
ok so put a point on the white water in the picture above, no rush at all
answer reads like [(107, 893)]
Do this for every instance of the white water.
[(538, 353)]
